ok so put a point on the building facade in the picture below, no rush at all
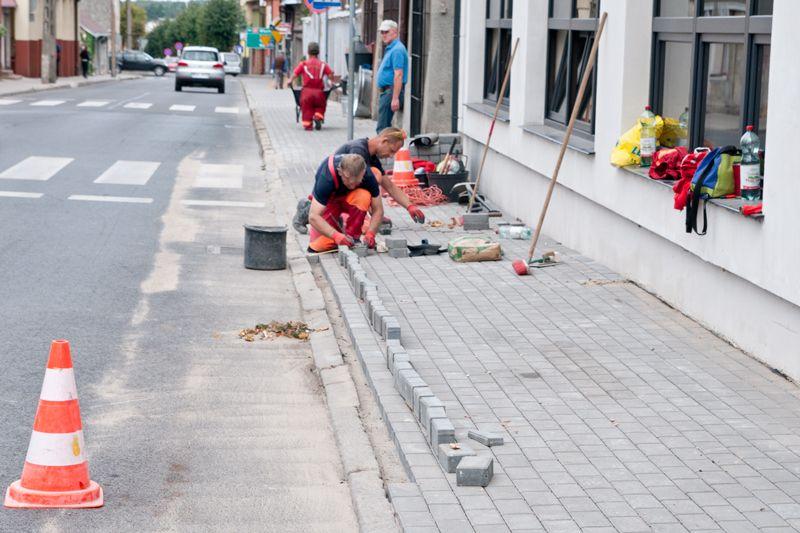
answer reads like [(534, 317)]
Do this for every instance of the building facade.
[(26, 48), (712, 59), (95, 20)]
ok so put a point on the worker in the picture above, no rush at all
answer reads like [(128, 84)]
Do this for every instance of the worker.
[(384, 145), (343, 194), (313, 99)]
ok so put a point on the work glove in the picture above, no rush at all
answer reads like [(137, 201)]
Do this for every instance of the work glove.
[(416, 214), (369, 239), (342, 240)]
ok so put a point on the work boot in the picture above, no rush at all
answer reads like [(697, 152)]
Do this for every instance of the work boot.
[(300, 219)]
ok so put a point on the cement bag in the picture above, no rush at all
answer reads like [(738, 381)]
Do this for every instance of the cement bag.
[(473, 248), (626, 151)]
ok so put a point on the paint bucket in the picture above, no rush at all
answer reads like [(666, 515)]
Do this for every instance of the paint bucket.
[(265, 247)]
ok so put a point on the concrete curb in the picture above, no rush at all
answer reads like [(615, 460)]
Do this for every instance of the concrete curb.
[(372, 508), (72, 85)]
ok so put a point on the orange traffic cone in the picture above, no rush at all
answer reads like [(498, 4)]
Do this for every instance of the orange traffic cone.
[(56, 472), (403, 172)]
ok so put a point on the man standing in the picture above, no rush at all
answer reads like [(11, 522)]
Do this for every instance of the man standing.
[(279, 67), (85, 58), (392, 75)]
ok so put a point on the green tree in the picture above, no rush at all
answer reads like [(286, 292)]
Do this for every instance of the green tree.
[(220, 23), (160, 38), (187, 24), (157, 9), (139, 17)]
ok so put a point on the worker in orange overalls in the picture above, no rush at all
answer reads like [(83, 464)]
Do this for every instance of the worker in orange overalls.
[(312, 99)]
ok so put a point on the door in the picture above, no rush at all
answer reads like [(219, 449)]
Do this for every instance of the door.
[(417, 63)]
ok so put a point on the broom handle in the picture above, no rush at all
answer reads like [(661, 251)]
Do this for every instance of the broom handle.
[(491, 128), (575, 109)]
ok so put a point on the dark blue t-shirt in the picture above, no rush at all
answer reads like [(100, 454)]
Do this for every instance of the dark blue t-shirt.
[(325, 188), (361, 147)]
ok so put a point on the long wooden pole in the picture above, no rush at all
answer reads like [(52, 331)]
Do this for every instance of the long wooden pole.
[(575, 109), (491, 127)]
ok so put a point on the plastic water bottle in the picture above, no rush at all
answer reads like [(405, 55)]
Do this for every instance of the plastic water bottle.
[(683, 124), (647, 140), (750, 169), (508, 231)]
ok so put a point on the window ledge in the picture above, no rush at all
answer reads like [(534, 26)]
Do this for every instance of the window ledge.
[(488, 110), (731, 204), (556, 135)]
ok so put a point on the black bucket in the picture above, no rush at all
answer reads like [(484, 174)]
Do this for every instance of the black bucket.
[(265, 247)]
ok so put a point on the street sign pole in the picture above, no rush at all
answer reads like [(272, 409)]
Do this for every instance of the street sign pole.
[(351, 72)]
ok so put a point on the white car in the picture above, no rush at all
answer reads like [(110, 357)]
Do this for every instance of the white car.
[(233, 64), (200, 66)]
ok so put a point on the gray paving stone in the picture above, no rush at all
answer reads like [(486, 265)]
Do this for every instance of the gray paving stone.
[(475, 471), (486, 438), (449, 457), (441, 432)]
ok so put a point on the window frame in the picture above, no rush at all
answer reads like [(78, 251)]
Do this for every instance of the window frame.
[(572, 26), (499, 25), (750, 30)]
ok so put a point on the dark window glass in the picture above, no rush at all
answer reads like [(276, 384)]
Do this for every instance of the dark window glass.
[(724, 94), (763, 7), (581, 48), (763, 59), (586, 9), (677, 8), (557, 81), (724, 8), (677, 76), (562, 9)]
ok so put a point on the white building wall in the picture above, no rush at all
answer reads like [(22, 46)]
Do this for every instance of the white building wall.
[(338, 37), (740, 279)]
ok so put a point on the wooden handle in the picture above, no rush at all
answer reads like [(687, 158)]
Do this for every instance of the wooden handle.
[(575, 109), (491, 128)]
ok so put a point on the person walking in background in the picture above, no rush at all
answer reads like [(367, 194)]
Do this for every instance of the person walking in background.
[(313, 100), (85, 58), (392, 75), (279, 67)]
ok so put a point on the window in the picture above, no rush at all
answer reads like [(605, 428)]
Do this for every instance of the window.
[(498, 49), (571, 29), (711, 61)]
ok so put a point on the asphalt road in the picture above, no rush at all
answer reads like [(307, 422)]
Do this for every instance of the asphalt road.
[(105, 242)]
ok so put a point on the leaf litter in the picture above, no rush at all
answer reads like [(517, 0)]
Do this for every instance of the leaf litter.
[(293, 329)]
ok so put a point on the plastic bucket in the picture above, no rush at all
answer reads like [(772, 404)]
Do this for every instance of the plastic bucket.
[(265, 247), (446, 182)]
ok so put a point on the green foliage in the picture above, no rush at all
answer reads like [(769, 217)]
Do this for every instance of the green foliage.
[(157, 10), (213, 23), (139, 17)]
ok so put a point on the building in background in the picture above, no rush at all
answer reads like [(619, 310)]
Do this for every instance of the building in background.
[(7, 8), (260, 14), (26, 46), (95, 19)]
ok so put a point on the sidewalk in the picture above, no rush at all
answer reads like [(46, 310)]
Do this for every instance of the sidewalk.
[(618, 412), (29, 85)]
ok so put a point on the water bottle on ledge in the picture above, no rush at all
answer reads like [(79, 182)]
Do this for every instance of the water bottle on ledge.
[(647, 139), (750, 169)]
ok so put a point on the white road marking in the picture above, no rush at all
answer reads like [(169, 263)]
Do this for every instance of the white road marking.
[(48, 103), (8, 101), (129, 173), (179, 107), (36, 168), (138, 105), (232, 110), (113, 199), (94, 103), (219, 176), (221, 203), (15, 194)]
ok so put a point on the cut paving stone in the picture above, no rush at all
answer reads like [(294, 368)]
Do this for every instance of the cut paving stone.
[(408, 392), (475, 471), (486, 438), (362, 251), (392, 330), (401, 365), (421, 392), (398, 253), (432, 414), (442, 432), (399, 358), (450, 457), (396, 243), (426, 403), (476, 221)]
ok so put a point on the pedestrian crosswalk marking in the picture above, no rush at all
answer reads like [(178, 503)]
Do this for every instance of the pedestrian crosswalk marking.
[(94, 103), (48, 103), (8, 101), (17, 194), (219, 176), (221, 203), (138, 105), (179, 107), (112, 199), (232, 110), (36, 168), (129, 173)]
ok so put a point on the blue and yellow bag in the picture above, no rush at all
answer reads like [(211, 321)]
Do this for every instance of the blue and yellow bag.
[(713, 178)]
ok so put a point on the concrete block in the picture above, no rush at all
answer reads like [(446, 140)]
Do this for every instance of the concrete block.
[(475, 471), (377, 320), (399, 358), (401, 366), (395, 354), (343, 255), (361, 251), (413, 384), (401, 380), (442, 432), (395, 243), (419, 393), (399, 253), (486, 438), (430, 415), (449, 457), (427, 403), (408, 382), (392, 329), (476, 221)]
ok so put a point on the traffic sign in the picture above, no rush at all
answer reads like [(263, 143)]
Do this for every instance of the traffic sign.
[(323, 4), (238, 49), (179, 46), (167, 52)]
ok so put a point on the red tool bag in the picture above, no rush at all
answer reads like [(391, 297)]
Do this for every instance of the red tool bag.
[(666, 163), (687, 167)]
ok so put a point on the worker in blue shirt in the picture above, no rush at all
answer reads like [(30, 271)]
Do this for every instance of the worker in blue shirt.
[(392, 74)]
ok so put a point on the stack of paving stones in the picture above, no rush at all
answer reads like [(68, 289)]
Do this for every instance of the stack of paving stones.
[(398, 247)]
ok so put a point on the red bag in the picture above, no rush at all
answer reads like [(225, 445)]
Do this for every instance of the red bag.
[(666, 163), (687, 167)]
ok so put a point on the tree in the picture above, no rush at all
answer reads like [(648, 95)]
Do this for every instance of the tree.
[(220, 22), (139, 16), (160, 38)]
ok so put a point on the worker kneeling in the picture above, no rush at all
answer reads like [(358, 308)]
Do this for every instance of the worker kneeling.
[(343, 194)]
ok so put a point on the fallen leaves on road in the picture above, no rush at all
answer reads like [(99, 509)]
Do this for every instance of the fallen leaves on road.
[(293, 329)]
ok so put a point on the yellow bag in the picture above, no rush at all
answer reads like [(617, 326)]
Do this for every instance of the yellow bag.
[(671, 134), (626, 151)]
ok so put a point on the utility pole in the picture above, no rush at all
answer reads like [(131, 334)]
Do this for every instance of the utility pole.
[(351, 72), (113, 61), (326, 35), (49, 60), (129, 26)]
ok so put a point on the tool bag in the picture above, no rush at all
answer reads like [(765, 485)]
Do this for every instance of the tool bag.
[(712, 179), (666, 163)]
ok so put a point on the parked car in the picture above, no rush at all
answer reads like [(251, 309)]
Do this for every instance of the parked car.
[(233, 64), (200, 66), (172, 63), (135, 60)]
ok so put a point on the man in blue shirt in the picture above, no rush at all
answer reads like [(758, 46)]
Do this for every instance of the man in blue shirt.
[(392, 74)]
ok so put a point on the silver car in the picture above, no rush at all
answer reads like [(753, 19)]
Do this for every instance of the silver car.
[(233, 65), (200, 66)]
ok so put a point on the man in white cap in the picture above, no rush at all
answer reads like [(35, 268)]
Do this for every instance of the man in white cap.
[(392, 74)]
